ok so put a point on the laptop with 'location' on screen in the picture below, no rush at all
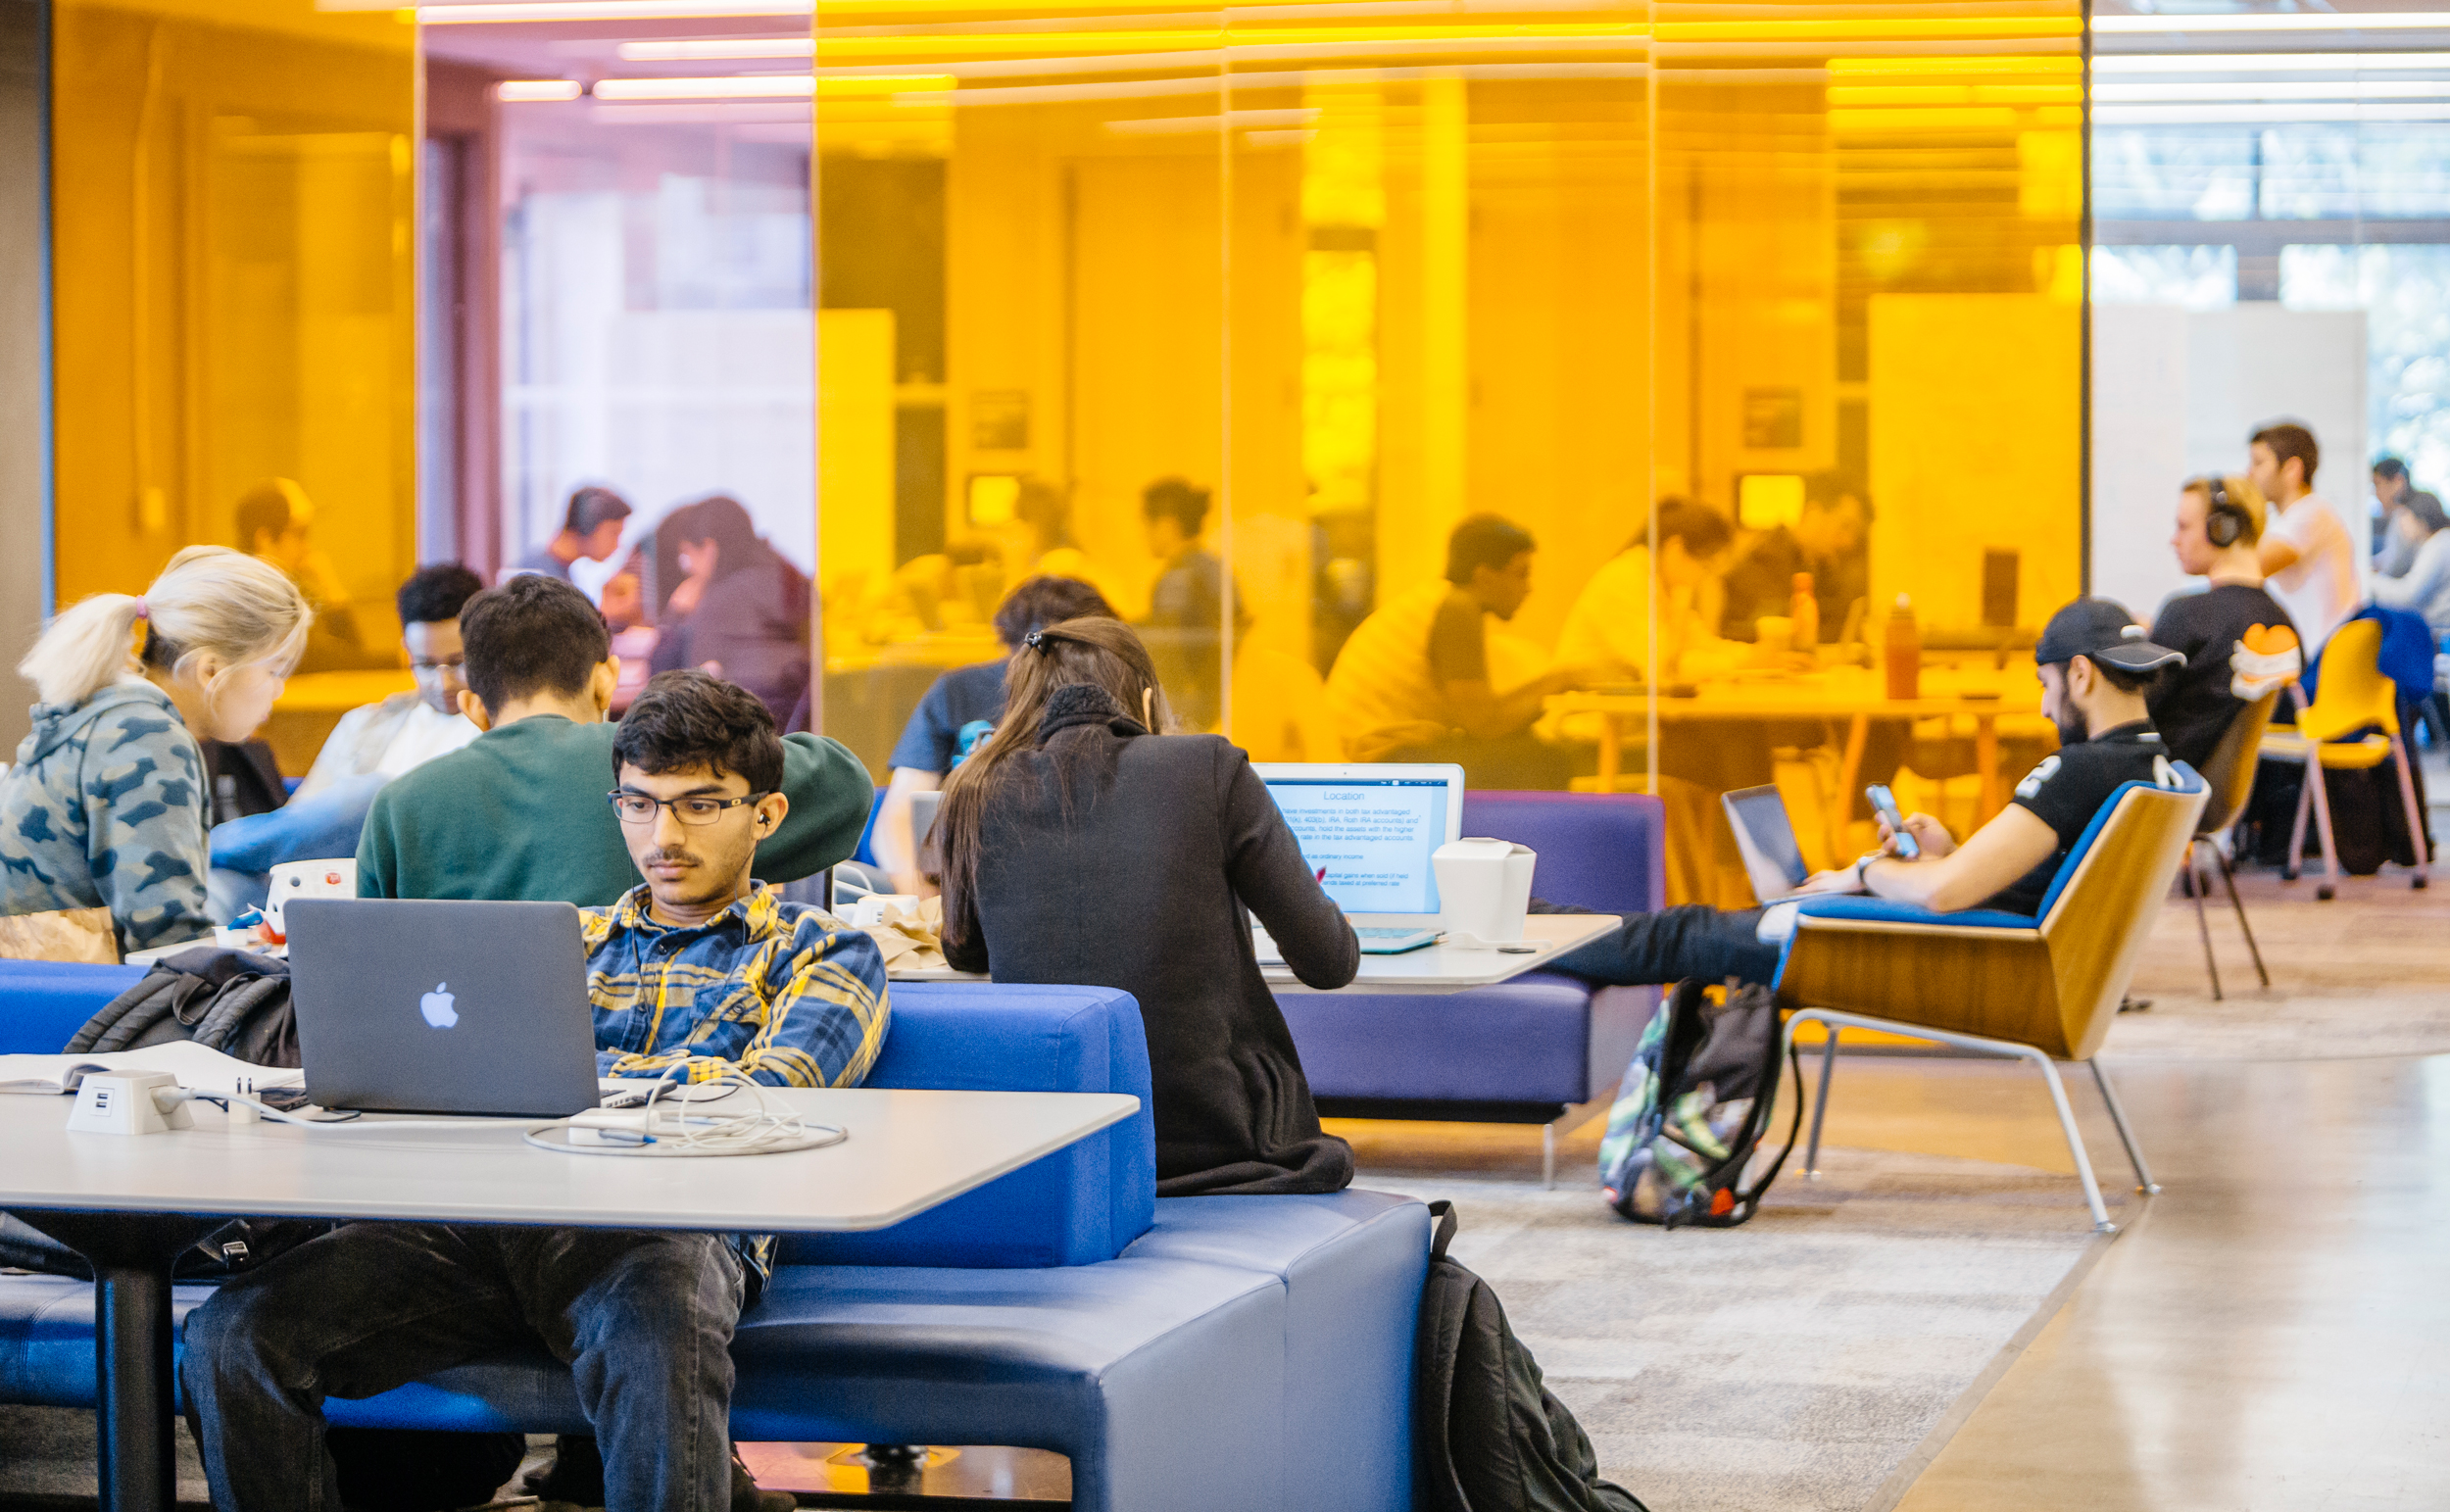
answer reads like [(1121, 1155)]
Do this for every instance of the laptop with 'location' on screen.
[(1368, 832)]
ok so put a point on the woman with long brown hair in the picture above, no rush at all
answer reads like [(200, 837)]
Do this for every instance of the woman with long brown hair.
[(1081, 845)]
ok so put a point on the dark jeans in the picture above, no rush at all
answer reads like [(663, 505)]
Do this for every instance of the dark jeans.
[(644, 1320), (1694, 941)]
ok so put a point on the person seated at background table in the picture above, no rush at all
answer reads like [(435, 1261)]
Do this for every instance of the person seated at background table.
[(2424, 586), (740, 611), (1185, 625), (1280, 712), (698, 971), (2096, 669), (1827, 540), (1412, 682), (517, 814), (1607, 631), (591, 527), (2220, 529), (2391, 488), (106, 804), (277, 524), (1083, 843), (370, 747), (959, 709), (2309, 563)]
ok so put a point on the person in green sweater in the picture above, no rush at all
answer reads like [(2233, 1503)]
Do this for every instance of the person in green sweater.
[(520, 811)]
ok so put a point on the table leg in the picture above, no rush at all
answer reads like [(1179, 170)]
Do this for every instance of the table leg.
[(1611, 751), (130, 1254), (1850, 773), (1987, 763)]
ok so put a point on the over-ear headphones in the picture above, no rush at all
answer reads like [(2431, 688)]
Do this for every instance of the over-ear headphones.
[(2225, 521)]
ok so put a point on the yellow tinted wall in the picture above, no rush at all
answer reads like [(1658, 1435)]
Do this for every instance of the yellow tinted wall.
[(233, 195)]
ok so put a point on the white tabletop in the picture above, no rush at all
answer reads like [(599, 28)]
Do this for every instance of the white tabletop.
[(907, 1153), (1448, 968), (1435, 968)]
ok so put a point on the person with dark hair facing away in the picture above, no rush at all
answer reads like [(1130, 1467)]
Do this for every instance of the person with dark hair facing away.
[(370, 747), (2096, 669), (1185, 627), (2424, 588), (277, 524), (591, 527), (2219, 538), (517, 813), (1412, 682), (740, 611), (1827, 541), (959, 709), (1081, 808), (2309, 563), (696, 973)]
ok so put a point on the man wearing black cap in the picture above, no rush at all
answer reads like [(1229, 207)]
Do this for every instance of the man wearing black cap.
[(2097, 666)]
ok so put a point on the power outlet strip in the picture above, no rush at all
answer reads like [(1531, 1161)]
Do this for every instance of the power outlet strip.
[(125, 1103)]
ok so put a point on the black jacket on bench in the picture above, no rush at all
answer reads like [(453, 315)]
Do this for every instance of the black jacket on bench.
[(1137, 879)]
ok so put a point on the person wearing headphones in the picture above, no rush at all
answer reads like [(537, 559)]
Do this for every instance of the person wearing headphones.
[(2219, 537)]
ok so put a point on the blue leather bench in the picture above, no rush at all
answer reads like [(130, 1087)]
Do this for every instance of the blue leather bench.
[(1234, 1354), (1544, 1048)]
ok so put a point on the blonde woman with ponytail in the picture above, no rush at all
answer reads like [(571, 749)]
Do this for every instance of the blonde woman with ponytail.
[(107, 804)]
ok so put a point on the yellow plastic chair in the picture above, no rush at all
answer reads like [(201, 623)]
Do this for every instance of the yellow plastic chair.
[(2353, 695), (2001, 983), (2229, 773)]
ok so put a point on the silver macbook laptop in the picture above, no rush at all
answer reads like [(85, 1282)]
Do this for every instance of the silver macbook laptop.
[(1369, 831), (442, 1008), (1766, 838)]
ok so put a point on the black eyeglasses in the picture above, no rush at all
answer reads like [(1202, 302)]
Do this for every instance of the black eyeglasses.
[(696, 812)]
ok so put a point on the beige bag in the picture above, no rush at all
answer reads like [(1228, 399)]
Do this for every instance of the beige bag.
[(68, 935), (911, 940)]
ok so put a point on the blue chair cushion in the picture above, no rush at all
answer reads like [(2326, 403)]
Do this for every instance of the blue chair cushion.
[(1082, 1203), (43, 1003), (1605, 851), (1524, 1041)]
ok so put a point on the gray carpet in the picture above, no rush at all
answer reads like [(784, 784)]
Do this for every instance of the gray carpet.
[(1790, 1365)]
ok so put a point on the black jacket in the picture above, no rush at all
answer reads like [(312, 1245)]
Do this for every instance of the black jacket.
[(1137, 879)]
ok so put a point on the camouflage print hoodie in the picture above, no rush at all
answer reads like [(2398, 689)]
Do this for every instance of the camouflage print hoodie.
[(106, 806)]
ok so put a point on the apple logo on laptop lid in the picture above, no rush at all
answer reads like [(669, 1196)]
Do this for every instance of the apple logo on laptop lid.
[(437, 1007)]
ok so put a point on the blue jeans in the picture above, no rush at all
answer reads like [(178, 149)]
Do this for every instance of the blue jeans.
[(311, 829), (644, 1320)]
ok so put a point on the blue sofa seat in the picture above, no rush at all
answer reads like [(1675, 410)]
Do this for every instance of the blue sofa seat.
[(1542, 1048)]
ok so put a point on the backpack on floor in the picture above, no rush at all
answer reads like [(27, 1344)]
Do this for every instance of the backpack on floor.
[(1692, 1107), (1487, 1434)]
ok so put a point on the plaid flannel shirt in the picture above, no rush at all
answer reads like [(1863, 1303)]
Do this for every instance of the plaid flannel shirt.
[(786, 993)]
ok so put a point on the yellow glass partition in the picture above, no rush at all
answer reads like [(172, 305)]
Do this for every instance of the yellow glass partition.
[(234, 203)]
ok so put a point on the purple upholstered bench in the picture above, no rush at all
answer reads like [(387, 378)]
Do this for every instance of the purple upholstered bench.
[(1544, 1048)]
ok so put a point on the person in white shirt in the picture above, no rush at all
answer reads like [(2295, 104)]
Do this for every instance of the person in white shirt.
[(2309, 563), (371, 745)]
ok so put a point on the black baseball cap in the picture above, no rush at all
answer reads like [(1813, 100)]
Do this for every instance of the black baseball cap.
[(2102, 630)]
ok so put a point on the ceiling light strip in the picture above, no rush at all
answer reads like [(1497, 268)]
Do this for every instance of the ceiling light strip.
[(551, 11), (2270, 89), (2266, 63), (2271, 20), (2263, 115)]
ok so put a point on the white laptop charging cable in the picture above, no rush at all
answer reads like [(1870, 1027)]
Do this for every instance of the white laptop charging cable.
[(668, 1127)]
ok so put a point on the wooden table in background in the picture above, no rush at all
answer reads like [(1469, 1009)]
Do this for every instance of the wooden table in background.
[(1855, 695)]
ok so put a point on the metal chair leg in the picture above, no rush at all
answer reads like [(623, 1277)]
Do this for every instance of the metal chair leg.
[(2127, 1135), (2295, 863), (2196, 887), (1548, 1157), (2101, 1223), (2418, 841), (2319, 781), (1820, 1104), (2228, 880)]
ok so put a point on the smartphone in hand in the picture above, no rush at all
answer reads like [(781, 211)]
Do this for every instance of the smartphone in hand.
[(1885, 803)]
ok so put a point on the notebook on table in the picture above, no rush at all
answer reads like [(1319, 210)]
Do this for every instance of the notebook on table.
[(1368, 832)]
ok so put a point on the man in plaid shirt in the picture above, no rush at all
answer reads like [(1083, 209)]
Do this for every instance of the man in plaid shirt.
[(695, 972)]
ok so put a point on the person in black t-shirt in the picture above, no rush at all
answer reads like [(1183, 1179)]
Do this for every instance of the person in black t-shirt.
[(2096, 667), (959, 708), (2220, 521)]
